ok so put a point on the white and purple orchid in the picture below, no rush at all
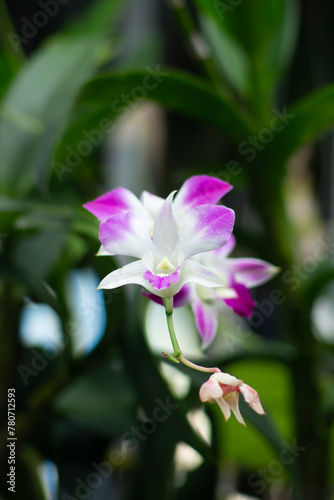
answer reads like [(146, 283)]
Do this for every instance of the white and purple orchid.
[(223, 389), (181, 246), (164, 235), (238, 275)]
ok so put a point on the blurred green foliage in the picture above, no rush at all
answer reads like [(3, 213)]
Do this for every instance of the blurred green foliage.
[(223, 88)]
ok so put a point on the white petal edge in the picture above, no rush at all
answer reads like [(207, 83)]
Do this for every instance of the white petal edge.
[(193, 272), (131, 273), (151, 202), (232, 400), (102, 252), (126, 234), (165, 233)]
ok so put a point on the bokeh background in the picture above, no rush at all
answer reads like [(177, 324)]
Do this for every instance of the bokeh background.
[(144, 94)]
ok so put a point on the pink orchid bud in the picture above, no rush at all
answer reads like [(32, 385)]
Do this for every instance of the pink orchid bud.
[(223, 389)]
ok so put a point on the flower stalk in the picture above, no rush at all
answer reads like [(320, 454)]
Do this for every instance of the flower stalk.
[(177, 355)]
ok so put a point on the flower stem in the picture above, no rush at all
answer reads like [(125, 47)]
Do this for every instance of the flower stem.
[(196, 41), (177, 355), (199, 368), (169, 315)]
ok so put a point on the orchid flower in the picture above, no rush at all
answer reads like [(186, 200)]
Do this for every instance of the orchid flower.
[(164, 235), (238, 275), (223, 389)]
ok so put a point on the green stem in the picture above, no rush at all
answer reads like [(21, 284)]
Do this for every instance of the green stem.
[(196, 41), (169, 315), (177, 355), (199, 368)]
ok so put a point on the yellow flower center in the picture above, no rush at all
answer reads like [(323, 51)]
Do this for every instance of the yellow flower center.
[(165, 266)]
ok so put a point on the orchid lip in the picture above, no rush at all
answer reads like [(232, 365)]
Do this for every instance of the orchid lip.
[(161, 281)]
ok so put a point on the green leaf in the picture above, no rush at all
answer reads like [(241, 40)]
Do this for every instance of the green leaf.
[(229, 56), (111, 96), (34, 286), (7, 72), (303, 122), (38, 253), (252, 41), (102, 398), (35, 106)]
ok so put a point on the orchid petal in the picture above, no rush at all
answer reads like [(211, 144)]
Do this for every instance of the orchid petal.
[(102, 252), (153, 297), (210, 391), (165, 232), (206, 227), (193, 272), (161, 282), (126, 234), (200, 190), (151, 202), (243, 304), (225, 408), (206, 318), (225, 250), (251, 272), (131, 273), (182, 298), (226, 379), (252, 398), (232, 400), (117, 201)]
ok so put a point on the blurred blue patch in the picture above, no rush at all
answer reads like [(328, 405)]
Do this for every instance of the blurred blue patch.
[(87, 309), (41, 327), (48, 474)]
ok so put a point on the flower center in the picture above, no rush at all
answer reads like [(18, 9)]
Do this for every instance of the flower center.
[(165, 266)]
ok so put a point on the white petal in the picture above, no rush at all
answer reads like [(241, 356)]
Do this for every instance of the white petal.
[(165, 232), (252, 398), (224, 408), (217, 257), (131, 273), (126, 234), (232, 400), (118, 200), (193, 272), (102, 252), (226, 379), (151, 202), (210, 391), (206, 227)]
